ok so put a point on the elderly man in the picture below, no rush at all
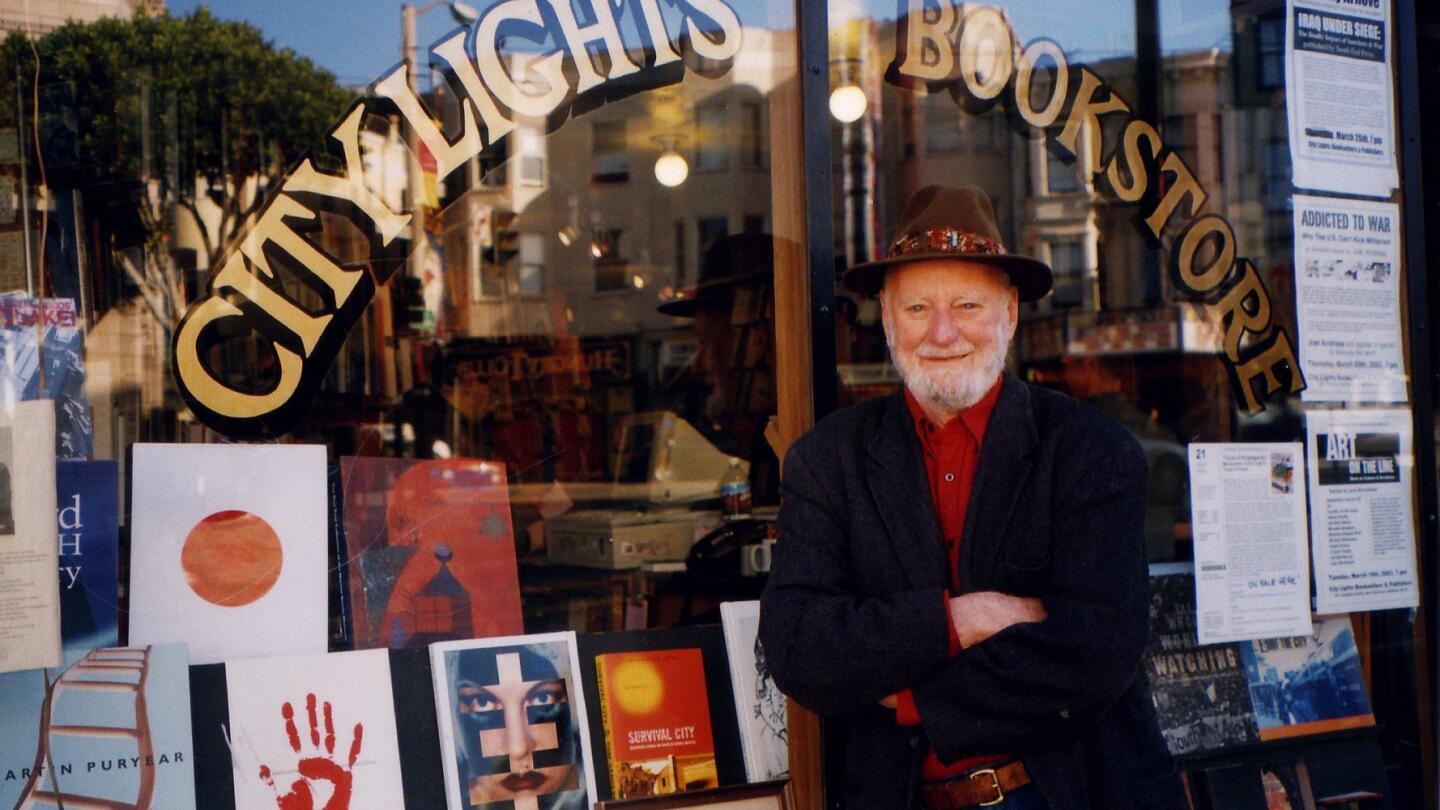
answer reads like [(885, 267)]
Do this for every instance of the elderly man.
[(960, 572)]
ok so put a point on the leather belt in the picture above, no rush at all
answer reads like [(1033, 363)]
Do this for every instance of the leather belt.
[(985, 787)]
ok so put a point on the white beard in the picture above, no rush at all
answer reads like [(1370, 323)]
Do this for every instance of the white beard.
[(961, 386)]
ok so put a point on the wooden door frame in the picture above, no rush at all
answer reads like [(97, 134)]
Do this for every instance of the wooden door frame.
[(803, 224)]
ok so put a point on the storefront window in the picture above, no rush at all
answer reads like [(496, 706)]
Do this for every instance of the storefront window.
[(1128, 328), (522, 281), (533, 276)]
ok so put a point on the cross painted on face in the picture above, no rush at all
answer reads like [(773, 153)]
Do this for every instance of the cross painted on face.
[(514, 719)]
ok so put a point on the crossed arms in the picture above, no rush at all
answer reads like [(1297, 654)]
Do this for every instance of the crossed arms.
[(1031, 673)]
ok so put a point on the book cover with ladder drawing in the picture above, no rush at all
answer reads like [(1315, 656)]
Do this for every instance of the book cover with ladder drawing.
[(111, 730)]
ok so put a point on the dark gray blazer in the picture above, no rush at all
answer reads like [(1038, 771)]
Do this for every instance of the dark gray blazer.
[(854, 607)]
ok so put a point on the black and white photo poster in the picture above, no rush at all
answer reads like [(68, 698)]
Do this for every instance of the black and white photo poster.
[(1361, 464), (1252, 575), (1347, 300), (1340, 96)]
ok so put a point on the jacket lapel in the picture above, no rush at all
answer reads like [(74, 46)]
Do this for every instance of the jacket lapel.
[(898, 483), (999, 477)]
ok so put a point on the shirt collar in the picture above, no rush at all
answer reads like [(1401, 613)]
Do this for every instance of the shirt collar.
[(973, 419)]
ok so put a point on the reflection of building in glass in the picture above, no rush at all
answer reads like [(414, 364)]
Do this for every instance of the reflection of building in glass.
[(555, 254), (35, 17), (572, 233)]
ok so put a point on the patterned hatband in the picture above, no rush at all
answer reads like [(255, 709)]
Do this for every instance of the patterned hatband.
[(945, 240)]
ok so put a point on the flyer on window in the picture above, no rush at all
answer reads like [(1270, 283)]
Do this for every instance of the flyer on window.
[(1361, 463), (29, 537), (1347, 300), (1247, 507), (1340, 96)]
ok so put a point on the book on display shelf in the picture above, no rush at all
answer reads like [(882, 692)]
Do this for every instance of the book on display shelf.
[(430, 551), (1201, 696), (760, 706), (353, 730), (48, 333), (663, 702), (1308, 684), (88, 518), (111, 729), (656, 722), (773, 795), (514, 731), (229, 549)]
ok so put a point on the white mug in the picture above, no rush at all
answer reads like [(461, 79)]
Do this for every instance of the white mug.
[(755, 559)]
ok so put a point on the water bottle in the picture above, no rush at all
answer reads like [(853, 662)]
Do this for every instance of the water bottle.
[(735, 492)]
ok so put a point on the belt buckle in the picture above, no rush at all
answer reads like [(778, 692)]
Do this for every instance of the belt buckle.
[(994, 780)]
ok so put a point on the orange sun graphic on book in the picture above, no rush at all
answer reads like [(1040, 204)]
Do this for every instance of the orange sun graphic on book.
[(231, 558), (639, 689)]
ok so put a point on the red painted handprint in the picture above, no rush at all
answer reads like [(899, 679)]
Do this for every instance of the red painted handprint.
[(318, 766)]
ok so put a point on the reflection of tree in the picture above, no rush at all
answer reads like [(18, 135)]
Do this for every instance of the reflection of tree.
[(166, 123)]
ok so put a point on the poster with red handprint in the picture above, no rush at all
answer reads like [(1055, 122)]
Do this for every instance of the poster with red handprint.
[(314, 733)]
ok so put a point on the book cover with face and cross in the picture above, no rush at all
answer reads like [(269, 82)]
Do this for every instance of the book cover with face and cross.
[(513, 730)]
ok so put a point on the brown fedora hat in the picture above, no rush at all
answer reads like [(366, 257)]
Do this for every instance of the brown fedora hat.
[(942, 222)]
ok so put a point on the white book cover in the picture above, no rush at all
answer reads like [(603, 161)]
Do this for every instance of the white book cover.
[(760, 707), (513, 732), (314, 727), (29, 537), (229, 549)]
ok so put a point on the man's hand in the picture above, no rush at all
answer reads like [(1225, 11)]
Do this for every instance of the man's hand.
[(890, 701), (978, 616)]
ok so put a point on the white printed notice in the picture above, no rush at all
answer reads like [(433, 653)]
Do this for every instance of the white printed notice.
[(1363, 533), (1347, 299), (1340, 96), (1252, 575)]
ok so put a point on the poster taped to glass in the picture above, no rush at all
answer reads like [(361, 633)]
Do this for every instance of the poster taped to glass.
[(1364, 537), (1347, 300), (1340, 96), (1252, 576)]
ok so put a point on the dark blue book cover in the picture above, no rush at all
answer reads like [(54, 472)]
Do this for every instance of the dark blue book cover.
[(87, 502)]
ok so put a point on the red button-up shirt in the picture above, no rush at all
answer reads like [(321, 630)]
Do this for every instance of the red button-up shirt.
[(952, 453)]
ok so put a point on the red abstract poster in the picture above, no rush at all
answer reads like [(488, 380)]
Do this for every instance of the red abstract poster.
[(431, 551)]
